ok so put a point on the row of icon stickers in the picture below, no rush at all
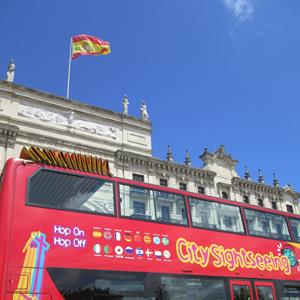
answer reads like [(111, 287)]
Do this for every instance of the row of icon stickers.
[(130, 237), (129, 251)]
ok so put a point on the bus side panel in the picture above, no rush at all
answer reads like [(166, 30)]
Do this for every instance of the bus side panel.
[(29, 246), (6, 216)]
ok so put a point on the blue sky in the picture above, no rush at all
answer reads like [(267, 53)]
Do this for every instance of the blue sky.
[(212, 72)]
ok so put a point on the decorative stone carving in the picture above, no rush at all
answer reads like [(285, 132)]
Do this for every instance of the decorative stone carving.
[(42, 114), (68, 119), (95, 128)]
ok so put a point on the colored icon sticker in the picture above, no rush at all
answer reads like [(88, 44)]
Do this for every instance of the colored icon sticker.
[(119, 250), (148, 253), (97, 249), (129, 250), (156, 240), (137, 237), (167, 254), (117, 236), (107, 249), (158, 254), (107, 235), (97, 234), (139, 251), (128, 237), (165, 241), (147, 239)]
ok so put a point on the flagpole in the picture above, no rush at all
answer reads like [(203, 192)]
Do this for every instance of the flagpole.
[(69, 69)]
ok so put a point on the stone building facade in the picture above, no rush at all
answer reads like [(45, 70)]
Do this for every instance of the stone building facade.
[(30, 117)]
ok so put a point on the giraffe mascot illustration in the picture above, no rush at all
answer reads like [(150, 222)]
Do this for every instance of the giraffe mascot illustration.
[(35, 249)]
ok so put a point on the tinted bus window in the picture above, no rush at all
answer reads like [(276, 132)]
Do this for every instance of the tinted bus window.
[(71, 192), (98, 284), (212, 215), (291, 293), (295, 225), (267, 225), (146, 204)]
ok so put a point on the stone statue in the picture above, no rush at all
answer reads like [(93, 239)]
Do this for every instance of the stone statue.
[(144, 113), (125, 103), (10, 74)]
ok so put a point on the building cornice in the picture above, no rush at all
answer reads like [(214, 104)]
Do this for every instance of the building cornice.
[(24, 93), (154, 165), (245, 186)]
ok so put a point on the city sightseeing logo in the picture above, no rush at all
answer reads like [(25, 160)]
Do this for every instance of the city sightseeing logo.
[(288, 251), (189, 252)]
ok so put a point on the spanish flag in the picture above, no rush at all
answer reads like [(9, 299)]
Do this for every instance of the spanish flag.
[(88, 45)]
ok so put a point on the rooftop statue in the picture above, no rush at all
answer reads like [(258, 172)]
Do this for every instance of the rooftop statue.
[(125, 103), (144, 112), (10, 74)]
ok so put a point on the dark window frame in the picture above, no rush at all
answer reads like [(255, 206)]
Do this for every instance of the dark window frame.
[(163, 182), (225, 195), (138, 177), (201, 189), (290, 208), (274, 205), (246, 199), (260, 202), (183, 186), (138, 206)]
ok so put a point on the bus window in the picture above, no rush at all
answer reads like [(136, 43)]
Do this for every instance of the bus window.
[(295, 225), (241, 292), (169, 208), (181, 288), (266, 225), (115, 285), (146, 204), (264, 290), (70, 192), (212, 215), (291, 293)]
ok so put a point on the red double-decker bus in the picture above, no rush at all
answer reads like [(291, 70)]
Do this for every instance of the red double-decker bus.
[(71, 231)]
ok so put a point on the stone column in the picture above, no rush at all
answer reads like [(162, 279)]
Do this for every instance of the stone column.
[(8, 135)]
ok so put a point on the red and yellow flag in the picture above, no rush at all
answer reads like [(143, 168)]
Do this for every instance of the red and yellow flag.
[(88, 45)]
